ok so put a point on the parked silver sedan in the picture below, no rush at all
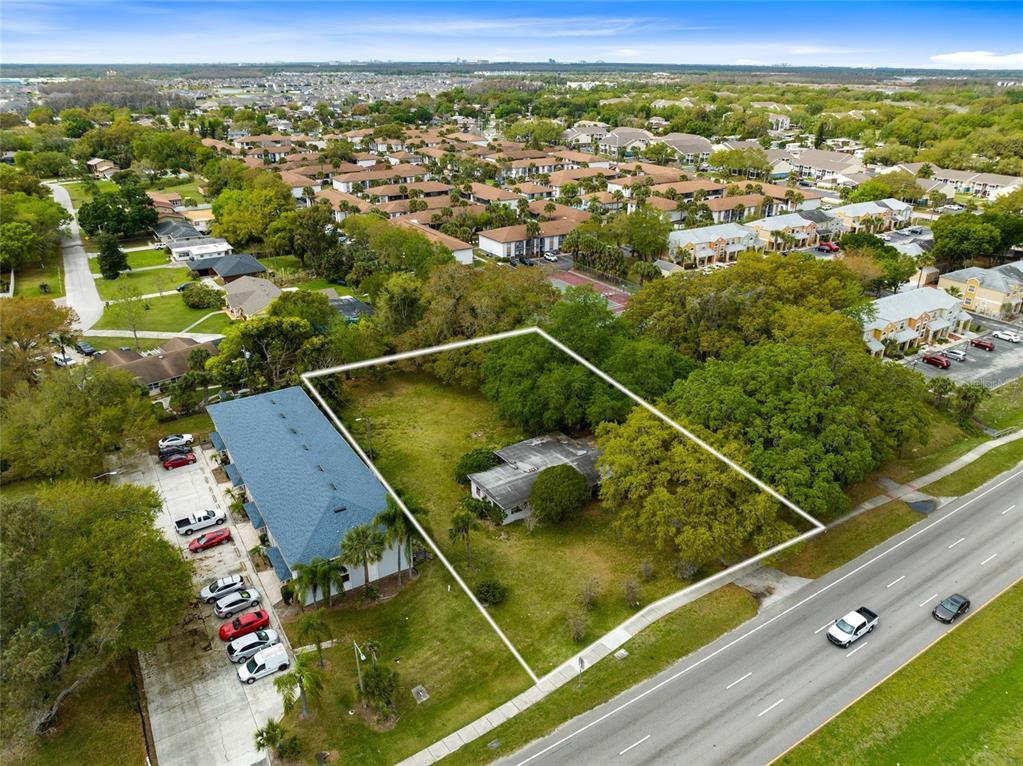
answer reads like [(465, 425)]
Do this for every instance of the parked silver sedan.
[(243, 647), (236, 602)]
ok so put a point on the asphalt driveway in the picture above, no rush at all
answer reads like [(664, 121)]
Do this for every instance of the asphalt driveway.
[(199, 711), (992, 368)]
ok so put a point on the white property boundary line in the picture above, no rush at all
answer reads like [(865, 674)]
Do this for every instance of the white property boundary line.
[(308, 377)]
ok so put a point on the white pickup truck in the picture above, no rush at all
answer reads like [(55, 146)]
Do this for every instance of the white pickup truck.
[(852, 627), (199, 520)]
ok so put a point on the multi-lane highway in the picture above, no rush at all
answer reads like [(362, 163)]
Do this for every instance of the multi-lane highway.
[(755, 692)]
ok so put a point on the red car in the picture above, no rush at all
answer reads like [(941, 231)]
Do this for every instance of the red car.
[(176, 461), (982, 343), (828, 247), (244, 623), (210, 539), (937, 361)]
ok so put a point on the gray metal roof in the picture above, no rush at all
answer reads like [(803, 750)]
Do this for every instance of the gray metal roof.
[(306, 481)]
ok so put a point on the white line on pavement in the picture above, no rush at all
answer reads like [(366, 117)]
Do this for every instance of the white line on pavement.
[(772, 707), (894, 582), (850, 654), (953, 545), (823, 627), (757, 628), (982, 563), (1007, 510), (634, 744), (738, 680), (929, 600)]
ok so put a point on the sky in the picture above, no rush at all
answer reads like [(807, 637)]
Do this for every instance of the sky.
[(952, 34)]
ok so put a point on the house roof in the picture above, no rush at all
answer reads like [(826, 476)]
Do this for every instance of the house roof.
[(1002, 279), (168, 363), (350, 307), (308, 484), (730, 203), (506, 234), (493, 193), (913, 303), (173, 230), (709, 234), (451, 243), (251, 295), (239, 264)]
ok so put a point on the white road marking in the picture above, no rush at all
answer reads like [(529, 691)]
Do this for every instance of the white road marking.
[(738, 680), (1007, 510), (982, 563), (929, 600), (823, 627), (953, 545), (772, 707), (894, 582), (850, 654), (927, 526), (634, 744)]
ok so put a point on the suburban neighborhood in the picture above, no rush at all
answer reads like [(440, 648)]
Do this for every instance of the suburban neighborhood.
[(509, 411)]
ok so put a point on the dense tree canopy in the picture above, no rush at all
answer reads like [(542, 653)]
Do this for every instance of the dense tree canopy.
[(558, 493), (122, 213)]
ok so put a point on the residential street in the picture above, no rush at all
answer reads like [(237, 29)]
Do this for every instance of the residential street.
[(752, 694), (79, 283)]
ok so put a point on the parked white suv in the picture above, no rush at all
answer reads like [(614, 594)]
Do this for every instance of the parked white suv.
[(264, 663), (244, 647), (236, 602), (220, 588)]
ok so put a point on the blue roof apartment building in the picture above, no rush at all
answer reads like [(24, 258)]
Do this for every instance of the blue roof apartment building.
[(304, 484)]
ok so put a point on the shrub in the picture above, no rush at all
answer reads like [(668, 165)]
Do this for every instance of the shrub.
[(287, 593), (589, 594), (578, 625), (632, 592), (381, 684), (685, 569), (559, 492), (481, 509), (370, 593), (646, 570), (491, 593), (474, 461), (290, 748), (200, 296)]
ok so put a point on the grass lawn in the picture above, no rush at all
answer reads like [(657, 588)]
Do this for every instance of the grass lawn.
[(971, 476), (187, 190), (948, 441), (28, 278), (1005, 407), (924, 714), (282, 263), (137, 260), (154, 281), (79, 194), (100, 724), (430, 636), (323, 284), (15, 490), (830, 549), (216, 323), (677, 635), (420, 428), (107, 344), (167, 313), (199, 425), (91, 246)]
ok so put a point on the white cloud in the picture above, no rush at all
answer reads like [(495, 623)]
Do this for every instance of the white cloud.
[(980, 59)]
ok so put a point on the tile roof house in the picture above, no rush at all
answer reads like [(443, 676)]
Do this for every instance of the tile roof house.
[(160, 368), (250, 296), (508, 485), (995, 292), (306, 485), (913, 317)]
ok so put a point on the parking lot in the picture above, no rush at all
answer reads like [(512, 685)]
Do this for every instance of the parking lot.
[(992, 368), (200, 713)]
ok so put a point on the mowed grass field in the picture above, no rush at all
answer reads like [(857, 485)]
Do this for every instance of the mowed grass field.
[(960, 703), (137, 259), (146, 282), (167, 313), (420, 428)]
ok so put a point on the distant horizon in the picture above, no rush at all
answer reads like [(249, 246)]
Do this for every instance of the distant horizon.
[(941, 35)]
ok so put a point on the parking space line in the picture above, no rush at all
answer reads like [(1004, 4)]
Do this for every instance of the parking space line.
[(738, 680), (953, 545), (823, 627), (634, 744), (894, 582), (982, 563), (772, 707), (850, 654), (1007, 510), (929, 600)]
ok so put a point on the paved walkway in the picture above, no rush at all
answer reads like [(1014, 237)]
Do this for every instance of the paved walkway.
[(202, 337), (79, 286), (749, 575), (200, 321)]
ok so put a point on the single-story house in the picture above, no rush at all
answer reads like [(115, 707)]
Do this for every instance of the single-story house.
[(227, 267), (462, 251), (171, 230), (250, 296), (509, 484), (158, 369), (914, 317), (995, 292), (304, 483), (203, 247), (348, 306), (200, 217)]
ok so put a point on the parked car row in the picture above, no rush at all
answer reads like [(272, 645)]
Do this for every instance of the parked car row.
[(943, 358), (176, 451)]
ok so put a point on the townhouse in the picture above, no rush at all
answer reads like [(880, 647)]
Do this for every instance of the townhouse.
[(520, 242), (462, 251), (739, 207), (991, 185), (918, 316), (882, 215), (398, 174), (995, 292), (782, 233), (422, 189), (485, 194), (710, 244)]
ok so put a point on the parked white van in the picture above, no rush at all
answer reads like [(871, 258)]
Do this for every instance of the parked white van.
[(264, 663)]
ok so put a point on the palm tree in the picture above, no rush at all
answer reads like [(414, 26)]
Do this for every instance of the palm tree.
[(305, 682), (362, 546), (270, 736), (922, 262), (463, 523), (312, 627), (396, 528), (372, 648), (312, 577)]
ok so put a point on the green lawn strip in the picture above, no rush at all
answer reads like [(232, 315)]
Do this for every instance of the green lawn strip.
[(323, 284), (431, 636), (99, 724), (15, 490), (199, 425), (666, 641), (51, 272), (167, 313), (957, 703), (1005, 407), (282, 263), (217, 323), (152, 281), (107, 344), (187, 190), (947, 441), (138, 259), (842, 543), (91, 247), (80, 194), (972, 475), (420, 428)]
